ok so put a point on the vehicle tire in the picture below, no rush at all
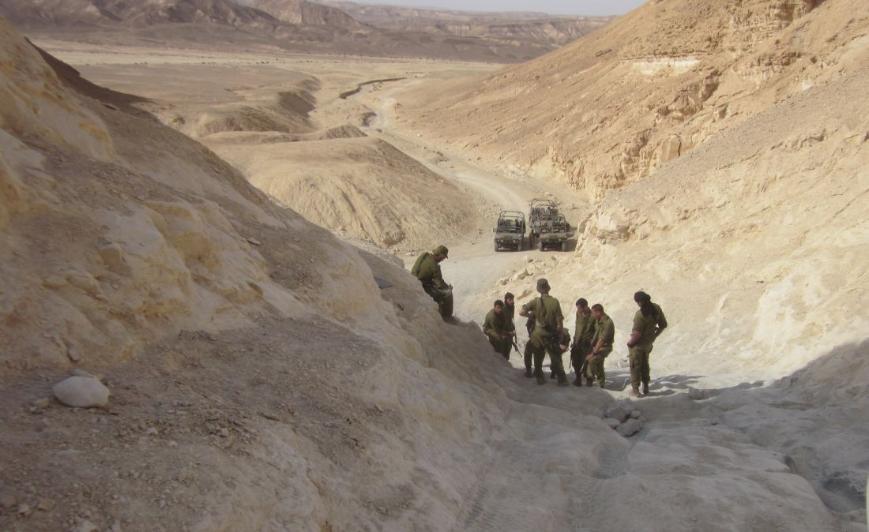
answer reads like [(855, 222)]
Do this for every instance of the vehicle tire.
[(542, 246), (564, 246), (496, 247)]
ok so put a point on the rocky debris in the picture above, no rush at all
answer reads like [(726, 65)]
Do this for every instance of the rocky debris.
[(624, 419), (613, 423), (618, 412), (24, 510), (81, 392), (630, 427)]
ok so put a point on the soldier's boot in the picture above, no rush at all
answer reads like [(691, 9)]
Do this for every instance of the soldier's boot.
[(529, 373), (589, 382), (645, 387), (635, 391), (562, 379), (578, 380), (552, 374), (541, 379)]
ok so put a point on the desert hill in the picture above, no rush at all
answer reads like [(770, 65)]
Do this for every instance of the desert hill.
[(293, 25), (266, 375), (547, 30), (615, 105)]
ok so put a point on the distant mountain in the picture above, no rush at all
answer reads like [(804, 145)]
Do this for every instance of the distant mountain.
[(76, 13), (546, 30), (295, 25), (304, 12)]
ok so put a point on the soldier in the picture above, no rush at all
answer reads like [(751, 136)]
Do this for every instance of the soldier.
[(601, 346), (549, 323), (495, 327), (528, 354), (510, 312), (563, 346), (582, 335), (649, 323), (428, 270)]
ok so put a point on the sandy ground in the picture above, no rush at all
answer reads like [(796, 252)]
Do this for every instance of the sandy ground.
[(500, 453)]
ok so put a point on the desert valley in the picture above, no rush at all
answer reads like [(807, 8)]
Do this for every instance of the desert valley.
[(209, 211)]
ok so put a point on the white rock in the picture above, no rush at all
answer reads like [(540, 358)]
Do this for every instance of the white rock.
[(630, 427), (613, 423), (82, 392)]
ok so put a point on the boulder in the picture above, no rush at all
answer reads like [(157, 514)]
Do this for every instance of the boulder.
[(81, 392), (613, 423), (618, 412), (630, 427)]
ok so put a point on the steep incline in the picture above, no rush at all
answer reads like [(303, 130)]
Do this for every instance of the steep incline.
[(617, 104)]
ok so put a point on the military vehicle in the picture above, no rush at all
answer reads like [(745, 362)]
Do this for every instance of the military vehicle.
[(549, 228), (510, 231)]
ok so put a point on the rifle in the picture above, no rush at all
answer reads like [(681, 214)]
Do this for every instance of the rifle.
[(513, 338)]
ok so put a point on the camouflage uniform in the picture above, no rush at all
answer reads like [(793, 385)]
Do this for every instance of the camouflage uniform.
[(603, 329), (583, 332), (529, 355), (510, 313), (495, 327), (647, 327), (545, 338), (428, 271)]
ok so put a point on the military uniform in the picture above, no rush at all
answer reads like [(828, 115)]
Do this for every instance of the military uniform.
[(529, 355), (428, 271), (647, 327), (583, 332), (606, 331), (495, 327), (544, 339), (563, 346), (510, 313)]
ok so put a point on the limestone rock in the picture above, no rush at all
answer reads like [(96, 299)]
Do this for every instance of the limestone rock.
[(630, 427), (81, 392), (618, 412)]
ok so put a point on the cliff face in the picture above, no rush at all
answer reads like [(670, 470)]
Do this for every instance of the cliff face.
[(615, 105)]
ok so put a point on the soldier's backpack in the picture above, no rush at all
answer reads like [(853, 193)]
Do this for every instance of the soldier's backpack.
[(416, 265)]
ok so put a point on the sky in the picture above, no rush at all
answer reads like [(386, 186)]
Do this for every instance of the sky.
[(562, 7)]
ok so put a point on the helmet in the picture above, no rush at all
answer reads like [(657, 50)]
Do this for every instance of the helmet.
[(442, 251)]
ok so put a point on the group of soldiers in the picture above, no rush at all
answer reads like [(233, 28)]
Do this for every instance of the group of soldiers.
[(593, 336)]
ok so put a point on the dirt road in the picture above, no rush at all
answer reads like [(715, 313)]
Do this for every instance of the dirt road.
[(473, 268)]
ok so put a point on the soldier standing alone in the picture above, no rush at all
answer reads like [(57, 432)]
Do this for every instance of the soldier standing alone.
[(649, 323), (549, 322), (428, 270)]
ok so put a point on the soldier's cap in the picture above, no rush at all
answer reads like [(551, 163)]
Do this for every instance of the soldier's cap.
[(542, 284), (441, 250)]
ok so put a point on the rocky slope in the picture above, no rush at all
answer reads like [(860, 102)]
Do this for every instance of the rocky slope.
[(614, 106), (294, 25), (264, 375)]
